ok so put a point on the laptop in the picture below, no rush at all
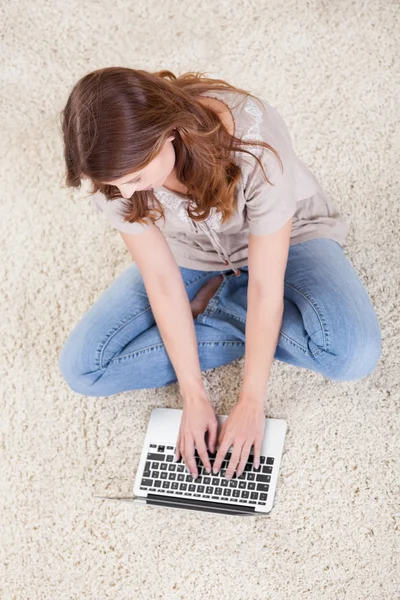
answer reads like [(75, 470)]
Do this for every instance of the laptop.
[(162, 481)]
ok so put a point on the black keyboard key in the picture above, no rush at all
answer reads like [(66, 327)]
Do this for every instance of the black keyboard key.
[(227, 492), (153, 456), (263, 478), (146, 482), (270, 460), (166, 484), (263, 487)]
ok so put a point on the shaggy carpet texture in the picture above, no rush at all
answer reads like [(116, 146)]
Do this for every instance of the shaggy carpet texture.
[(331, 68)]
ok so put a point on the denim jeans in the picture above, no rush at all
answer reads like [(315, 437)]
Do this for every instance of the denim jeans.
[(329, 325)]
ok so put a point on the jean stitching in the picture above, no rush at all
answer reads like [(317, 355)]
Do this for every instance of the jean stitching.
[(299, 346), (212, 305), (231, 314), (318, 312), (186, 283), (115, 331), (162, 347)]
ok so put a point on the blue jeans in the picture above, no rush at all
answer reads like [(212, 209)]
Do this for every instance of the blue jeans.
[(329, 325)]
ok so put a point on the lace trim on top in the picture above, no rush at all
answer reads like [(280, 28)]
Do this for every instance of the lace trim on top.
[(214, 221)]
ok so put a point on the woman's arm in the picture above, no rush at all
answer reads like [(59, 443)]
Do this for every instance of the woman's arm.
[(172, 312), (267, 261), (170, 305)]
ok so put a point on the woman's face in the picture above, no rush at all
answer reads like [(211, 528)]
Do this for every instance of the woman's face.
[(154, 175)]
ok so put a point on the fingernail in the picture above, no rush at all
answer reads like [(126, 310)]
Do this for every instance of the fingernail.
[(208, 470), (215, 470)]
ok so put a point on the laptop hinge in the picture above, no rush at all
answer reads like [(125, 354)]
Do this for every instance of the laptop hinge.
[(202, 505)]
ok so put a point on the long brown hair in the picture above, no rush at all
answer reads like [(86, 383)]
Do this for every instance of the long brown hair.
[(116, 121)]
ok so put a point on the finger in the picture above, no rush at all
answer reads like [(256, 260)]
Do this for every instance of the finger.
[(237, 449), (222, 450), (212, 437), (257, 452), (202, 450), (190, 460), (244, 457), (177, 451)]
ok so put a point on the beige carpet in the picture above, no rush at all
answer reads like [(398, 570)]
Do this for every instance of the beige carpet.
[(332, 71)]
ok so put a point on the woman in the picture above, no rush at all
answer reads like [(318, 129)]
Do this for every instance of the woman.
[(237, 251)]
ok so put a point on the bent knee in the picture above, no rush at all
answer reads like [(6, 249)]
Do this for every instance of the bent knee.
[(70, 369), (358, 357)]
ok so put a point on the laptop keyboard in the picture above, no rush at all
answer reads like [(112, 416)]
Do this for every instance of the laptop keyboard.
[(162, 474)]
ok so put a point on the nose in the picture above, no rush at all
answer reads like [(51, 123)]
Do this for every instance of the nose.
[(127, 195)]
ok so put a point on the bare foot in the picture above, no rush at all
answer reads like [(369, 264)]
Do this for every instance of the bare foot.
[(204, 295)]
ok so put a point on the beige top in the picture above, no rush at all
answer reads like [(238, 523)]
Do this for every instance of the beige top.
[(261, 208)]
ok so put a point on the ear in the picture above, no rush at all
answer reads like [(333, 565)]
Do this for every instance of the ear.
[(171, 137)]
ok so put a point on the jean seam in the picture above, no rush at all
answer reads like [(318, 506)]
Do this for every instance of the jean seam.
[(114, 332), (186, 283), (321, 320), (162, 346), (299, 347), (231, 314), (212, 305)]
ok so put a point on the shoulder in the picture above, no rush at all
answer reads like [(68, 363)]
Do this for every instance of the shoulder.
[(221, 109)]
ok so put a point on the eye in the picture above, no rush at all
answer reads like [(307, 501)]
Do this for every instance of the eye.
[(132, 181)]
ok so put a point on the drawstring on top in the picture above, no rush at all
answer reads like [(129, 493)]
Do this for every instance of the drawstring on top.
[(212, 236)]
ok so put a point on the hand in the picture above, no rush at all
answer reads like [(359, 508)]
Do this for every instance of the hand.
[(244, 426), (197, 418)]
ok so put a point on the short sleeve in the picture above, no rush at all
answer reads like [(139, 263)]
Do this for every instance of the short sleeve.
[(114, 212), (269, 207)]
